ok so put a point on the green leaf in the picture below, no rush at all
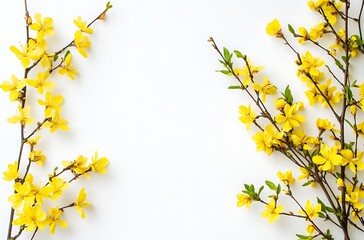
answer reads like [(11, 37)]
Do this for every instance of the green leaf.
[(351, 125), (288, 95), (226, 72), (338, 63), (279, 189), (226, 54), (238, 54), (271, 185), (303, 237), (348, 94), (55, 57), (235, 87), (307, 183), (260, 190), (291, 29), (108, 5), (323, 206)]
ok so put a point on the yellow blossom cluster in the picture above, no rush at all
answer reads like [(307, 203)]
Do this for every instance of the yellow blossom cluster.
[(35, 203), (330, 158)]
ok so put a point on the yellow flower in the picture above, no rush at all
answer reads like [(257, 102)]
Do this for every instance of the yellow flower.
[(286, 177), (247, 116), (306, 175), (32, 217), (243, 200), (317, 31), (99, 164), (310, 229), (310, 210), (12, 173), (54, 219), (57, 187), (22, 194), (22, 117), (310, 65), (21, 55), (340, 182), (80, 165), (33, 141), (82, 25), (51, 103), (304, 35), (353, 196), (14, 87), (81, 42), (36, 48), (325, 124), (41, 82), (303, 141), (265, 89), (268, 140), (56, 122), (272, 211), (67, 68), (37, 156), (81, 203), (44, 27), (354, 163), (289, 117), (279, 103), (274, 28), (247, 72), (328, 158)]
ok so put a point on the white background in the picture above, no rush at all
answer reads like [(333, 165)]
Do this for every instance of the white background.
[(149, 99)]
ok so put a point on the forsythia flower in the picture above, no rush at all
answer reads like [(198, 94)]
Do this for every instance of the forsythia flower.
[(243, 200), (80, 165), (310, 229), (267, 140), (304, 35), (57, 186), (22, 116), (289, 117), (51, 103), (310, 65), (22, 195), (274, 28), (12, 173), (99, 164), (66, 67), (54, 218), (13, 87), (81, 42), (82, 25), (272, 211), (41, 82), (310, 210), (32, 217), (80, 203), (325, 124), (56, 122), (286, 177), (37, 156), (301, 140), (317, 31), (21, 55), (354, 163), (44, 27), (247, 116), (328, 158), (265, 89), (247, 72)]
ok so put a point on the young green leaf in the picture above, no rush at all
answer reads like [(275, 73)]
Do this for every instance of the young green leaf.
[(291, 29), (235, 87), (271, 185)]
